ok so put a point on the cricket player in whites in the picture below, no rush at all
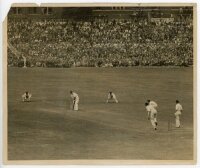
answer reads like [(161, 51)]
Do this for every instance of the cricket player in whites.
[(152, 114), (177, 114), (112, 96), (152, 103), (26, 97), (75, 100), (155, 106)]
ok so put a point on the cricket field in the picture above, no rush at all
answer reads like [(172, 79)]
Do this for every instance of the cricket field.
[(46, 128)]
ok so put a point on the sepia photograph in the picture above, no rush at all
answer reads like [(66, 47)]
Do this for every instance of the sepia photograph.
[(97, 83)]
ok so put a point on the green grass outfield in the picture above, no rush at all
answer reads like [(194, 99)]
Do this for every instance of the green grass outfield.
[(46, 128)]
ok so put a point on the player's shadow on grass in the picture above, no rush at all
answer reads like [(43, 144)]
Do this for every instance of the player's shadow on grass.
[(112, 103), (26, 101), (32, 101)]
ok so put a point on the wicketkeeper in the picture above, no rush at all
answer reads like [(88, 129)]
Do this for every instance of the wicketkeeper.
[(26, 97)]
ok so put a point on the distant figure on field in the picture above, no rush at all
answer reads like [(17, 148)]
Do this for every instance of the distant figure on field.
[(152, 115), (177, 114), (152, 103), (112, 96), (75, 100), (26, 97)]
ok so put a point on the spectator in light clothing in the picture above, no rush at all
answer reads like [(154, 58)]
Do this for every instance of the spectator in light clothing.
[(177, 114)]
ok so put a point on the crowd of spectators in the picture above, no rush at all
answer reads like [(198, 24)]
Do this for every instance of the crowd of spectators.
[(99, 42)]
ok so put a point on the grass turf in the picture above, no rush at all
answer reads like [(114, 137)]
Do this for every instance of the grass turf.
[(46, 128)]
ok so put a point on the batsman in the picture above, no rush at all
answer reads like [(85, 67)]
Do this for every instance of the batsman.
[(75, 100)]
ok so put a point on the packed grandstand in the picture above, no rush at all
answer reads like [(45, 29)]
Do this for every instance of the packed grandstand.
[(99, 41)]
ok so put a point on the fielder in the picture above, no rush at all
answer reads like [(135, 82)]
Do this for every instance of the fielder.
[(152, 114), (177, 114), (75, 100), (112, 96), (26, 97)]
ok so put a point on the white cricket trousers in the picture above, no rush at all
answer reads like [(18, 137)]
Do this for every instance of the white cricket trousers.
[(76, 105), (153, 119), (116, 100), (177, 118)]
